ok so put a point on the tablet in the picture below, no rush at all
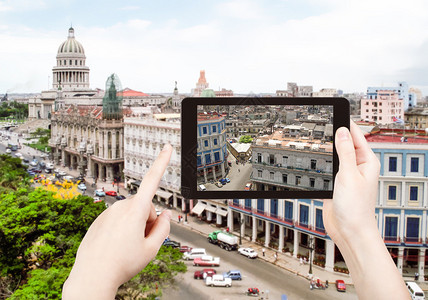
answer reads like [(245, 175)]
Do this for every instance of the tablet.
[(249, 148)]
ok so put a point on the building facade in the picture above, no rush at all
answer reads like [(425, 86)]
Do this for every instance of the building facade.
[(409, 98), (382, 107), (417, 118), (201, 85), (212, 150)]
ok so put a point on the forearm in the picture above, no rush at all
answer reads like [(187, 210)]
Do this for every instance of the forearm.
[(372, 269)]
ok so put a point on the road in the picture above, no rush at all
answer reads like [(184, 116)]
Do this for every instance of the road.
[(256, 273)]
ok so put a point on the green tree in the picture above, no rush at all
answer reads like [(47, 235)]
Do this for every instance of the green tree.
[(245, 139)]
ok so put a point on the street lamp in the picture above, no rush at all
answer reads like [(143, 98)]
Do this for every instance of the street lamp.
[(241, 221), (311, 249)]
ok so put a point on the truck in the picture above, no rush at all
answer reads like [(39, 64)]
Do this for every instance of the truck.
[(223, 239)]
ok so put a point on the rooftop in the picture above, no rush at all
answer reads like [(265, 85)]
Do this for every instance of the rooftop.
[(209, 116), (387, 135)]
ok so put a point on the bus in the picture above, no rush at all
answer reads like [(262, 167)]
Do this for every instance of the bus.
[(12, 146)]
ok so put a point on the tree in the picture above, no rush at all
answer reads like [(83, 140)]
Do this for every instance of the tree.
[(245, 139)]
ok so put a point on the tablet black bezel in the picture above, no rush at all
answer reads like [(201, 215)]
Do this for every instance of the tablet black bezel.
[(341, 118)]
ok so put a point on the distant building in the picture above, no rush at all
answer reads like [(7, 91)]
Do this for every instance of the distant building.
[(326, 93), (417, 118), (201, 85), (402, 90), (224, 93), (240, 151), (293, 90), (382, 107)]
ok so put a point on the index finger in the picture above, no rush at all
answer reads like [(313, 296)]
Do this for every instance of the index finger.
[(151, 180)]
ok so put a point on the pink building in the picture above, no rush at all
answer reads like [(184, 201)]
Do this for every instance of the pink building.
[(381, 107)]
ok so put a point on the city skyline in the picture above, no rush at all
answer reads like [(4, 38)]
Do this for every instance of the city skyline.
[(327, 44)]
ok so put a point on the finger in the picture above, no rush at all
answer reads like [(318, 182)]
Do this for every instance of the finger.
[(151, 180), (151, 219), (345, 150), (362, 149), (160, 230)]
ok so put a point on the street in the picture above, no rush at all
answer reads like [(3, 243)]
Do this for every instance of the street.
[(256, 273)]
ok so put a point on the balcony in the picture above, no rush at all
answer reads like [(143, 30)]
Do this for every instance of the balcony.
[(391, 240), (280, 166)]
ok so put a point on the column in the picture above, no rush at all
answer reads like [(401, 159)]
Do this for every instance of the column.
[(174, 199), (421, 264), (63, 157), (183, 205), (209, 216), (105, 145), (121, 143), (230, 219), (109, 175), (402, 219), (113, 145), (380, 222), (403, 194), (296, 243), (400, 260), (214, 175), (219, 220), (223, 172), (381, 187), (242, 218), (267, 233), (281, 238), (329, 255), (89, 172), (425, 197), (205, 175), (254, 228)]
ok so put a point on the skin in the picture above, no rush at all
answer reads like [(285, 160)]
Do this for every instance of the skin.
[(349, 219), (121, 241)]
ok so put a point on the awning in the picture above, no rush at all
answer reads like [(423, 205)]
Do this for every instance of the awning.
[(199, 208), (136, 182), (211, 208), (222, 212), (163, 194)]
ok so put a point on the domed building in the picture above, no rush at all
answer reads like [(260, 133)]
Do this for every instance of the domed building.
[(70, 72)]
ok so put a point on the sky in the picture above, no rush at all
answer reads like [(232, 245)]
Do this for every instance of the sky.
[(249, 46)]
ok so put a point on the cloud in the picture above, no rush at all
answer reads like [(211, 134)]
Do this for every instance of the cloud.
[(130, 7), (22, 5), (241, 9)]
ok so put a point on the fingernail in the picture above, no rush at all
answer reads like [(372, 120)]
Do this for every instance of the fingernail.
[(343, 134), (166, 147), (167, 214)]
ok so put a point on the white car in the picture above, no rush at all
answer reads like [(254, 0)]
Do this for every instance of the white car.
[(44, 155), (81, 186), (248, 252), (218, 280), (19, 155), (194, 253), (33, 163), (62, 173), (8, 150), (49, 166)]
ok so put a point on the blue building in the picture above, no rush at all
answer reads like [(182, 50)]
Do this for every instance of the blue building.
[(402, 90)]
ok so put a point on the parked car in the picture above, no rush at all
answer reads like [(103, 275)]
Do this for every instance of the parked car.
[(35, 170), (207, 260), (44, 155), (233, 274), (69, 178), (62, 173), (218, 280), (19, 155), (171, 243), (48, 171), (223, 181), (218, 184), (25, 161), (49, 166), (81, 179), (34, 163), (248, 186), (415, 290), (99, 193), (120, 197), (81, 186), (194, 253), (204, 273), (184, 249), (111, 193), (42, 165), (227, 179), (8, 151), (340, 286), (202, 187), (97, 199), (248, 252)]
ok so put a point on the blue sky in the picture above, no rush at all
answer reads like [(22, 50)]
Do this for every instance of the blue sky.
[(243, 45)]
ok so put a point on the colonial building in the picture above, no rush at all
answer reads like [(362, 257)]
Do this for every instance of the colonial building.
[(90, 138), (417, 118), (144, 138), (201, 85)]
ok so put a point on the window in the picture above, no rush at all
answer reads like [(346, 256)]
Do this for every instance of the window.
[(260, 173), (261, 205), (312, 182), (199, 161), (326, 184), (304, 213), (204, 130), (215, 141), (284, 160), (413, 193), (271, 159), (206, 143), (319, 224), (414, 164), (248, 203), (313, 164), (392, 192), (284, 178), (207, 159), (274, 207), (236, 202), (393, 164), (216, 156), (259, 158), (288, 210), (412, 232), (214, 128), (391, 228), (271, 175), (298, 178)]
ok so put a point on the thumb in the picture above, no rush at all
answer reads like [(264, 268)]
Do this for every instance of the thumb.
[(345, 149), (160, 229)]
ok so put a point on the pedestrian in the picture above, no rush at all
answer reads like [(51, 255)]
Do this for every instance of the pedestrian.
[(179, 218), (227, 229), (263, 250), (239, 170), (301, 261), (113, 183), (304, 260), (416, 276), (103, 189), (275, 256)]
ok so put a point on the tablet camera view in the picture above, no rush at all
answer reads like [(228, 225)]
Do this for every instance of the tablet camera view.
[(265, 148)]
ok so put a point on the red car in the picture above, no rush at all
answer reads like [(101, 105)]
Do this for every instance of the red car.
[(200, 274), (207, 260), (185, 249), (111, 193), (248, 186), (340, 286)]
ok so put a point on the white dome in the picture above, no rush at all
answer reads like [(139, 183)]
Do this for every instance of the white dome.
[(71, 46)]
